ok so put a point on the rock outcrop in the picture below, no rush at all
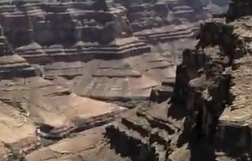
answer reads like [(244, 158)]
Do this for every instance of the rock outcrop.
[(154, 66), (68, 33), (146, 133), (62, 23), (167, 33), (11, 64), (209, 106), (54, 23), (236, 118), (230, 44), (149, 15), (155, 21), (202, 114), (114, 80), (34, 104)]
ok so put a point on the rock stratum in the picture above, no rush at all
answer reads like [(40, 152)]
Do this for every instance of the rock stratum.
[(92, 81), (207, 115)]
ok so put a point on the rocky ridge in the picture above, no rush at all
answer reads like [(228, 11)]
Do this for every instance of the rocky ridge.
[(11, 64), (208, 100), (56, 111), (68, 32)]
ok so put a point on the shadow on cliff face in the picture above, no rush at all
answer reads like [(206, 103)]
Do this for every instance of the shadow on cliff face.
[(201, 94), (177, 111), (201, 143), (202, 152)]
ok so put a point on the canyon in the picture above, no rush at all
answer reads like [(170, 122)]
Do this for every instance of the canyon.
[(164, 80)]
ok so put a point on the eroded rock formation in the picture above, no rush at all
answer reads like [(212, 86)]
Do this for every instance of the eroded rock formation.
[(202, 101), (69, 34), (64, 23), (12, 65), (202, 114), (208, 94)]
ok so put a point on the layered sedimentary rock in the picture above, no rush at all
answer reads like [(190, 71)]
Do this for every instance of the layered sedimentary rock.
[(18, 132), (63, 26), (202, 114), (235, 120), (153, 22), (167, 33), (232, 44), (68, 33), (154, 66), (149, 15), (158, 141), (114, 80), (15, 66), (144, 16), (217, 7), (209, 105), (11, 64), (144, 134), (38, 112), (71, 149), (53, 109), (66, 70), (163, 31), (119, 48)]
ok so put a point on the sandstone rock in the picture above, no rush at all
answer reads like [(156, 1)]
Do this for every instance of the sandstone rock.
[(61, 27), (114, 80), (80, 32), (166, 33), (208, 93), (142, 127), (153, 65), (11, 64), (156, 14), (207, 102)]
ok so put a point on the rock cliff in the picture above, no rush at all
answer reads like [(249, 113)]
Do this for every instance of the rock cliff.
[(70, 34), (12, 65), (206, 109), (201, 114)]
